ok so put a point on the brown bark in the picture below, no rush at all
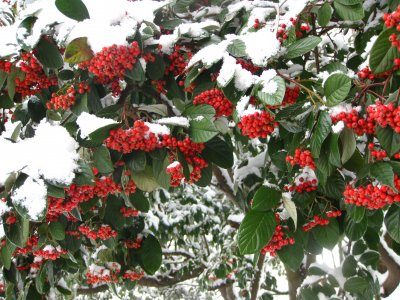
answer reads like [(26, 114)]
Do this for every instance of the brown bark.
[(393, 269), (256, 283), (295, 280)]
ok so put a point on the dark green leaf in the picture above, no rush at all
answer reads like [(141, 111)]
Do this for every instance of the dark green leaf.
[(150, 255), (256, 231), (99, 135), (218, 152), (356, 285), (336, 88), (6, 102), (136, 74), (292, 256), (18, 232), (355, 231), (74, 9), (48, 54), (265, 198), (322, 130), (202, 130), (349, 12), (382, 54), (327, 236), (156, 69), (136, 161), (57, 230), (349, 144), (324, 14), (202, 110), (390, 141), (383, 172), (139, 201), (370, 258), (102, 160), (302, 46), (392, 222), (349, 266)]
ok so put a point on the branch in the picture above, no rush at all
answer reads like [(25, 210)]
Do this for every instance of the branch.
[(224, 186), (256, 283), (178, 252), (393, 278)]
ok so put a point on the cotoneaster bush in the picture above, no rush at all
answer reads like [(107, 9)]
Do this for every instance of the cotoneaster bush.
[(146, 143)]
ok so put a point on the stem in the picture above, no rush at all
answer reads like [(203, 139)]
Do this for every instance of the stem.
[(256, 283), (316, 54)]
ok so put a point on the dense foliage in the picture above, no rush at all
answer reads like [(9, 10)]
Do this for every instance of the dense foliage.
[(195, 140)]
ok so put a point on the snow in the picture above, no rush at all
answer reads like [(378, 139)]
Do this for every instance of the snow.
[(3, 207), (209, 54), (338, 127), (89, 123), (236, 218), (251, 110), (307, 174), (31, 196), (157, 129), (243, 78), (50, 154), (241, 105), (177, 121), (173, 164), (196, 29), (270, 88), (227, 70), (261, 46)]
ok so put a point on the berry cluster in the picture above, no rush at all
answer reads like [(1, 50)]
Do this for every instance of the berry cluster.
[(308, 186), (247, 66), (130, 187), (376, 154), (352, 120), (301, 158), (393, 19), (385, 115), (110, 63), (32, 242), (258, 124), (281, 33), (129, 212), (50, 254), (35, 79), (66, 100), (100, 275), (104, 233), (136, 138), (217, 99), (133, 276), (291, 95), (160, 86), (319, 220), (333, 213), (179, 60), (372, 197), (175, 170), (277, 241), (133, 244), (191, 152), (257, 24)]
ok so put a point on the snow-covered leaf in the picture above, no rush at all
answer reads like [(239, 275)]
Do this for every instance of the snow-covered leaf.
[(291, 209)]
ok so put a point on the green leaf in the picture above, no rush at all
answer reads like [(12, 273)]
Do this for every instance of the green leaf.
[(202, 130), (202, 110), (206, 176), (275, 98), (336, 88), (139, 201), (136, 74), (390, 140), (136, 161), (160, 173), (150, 255), (112, 214), (349, 2), (256, 231), (355, 231), (48, 54), (292, 256), (6, 254), (370, 258), (392, 222), (217, 151), (265, 198), (349, 144), (349, 266), (156, 69), (356, 213), (102, 160), (334, 155), (322, 130), (383, 172), (99, 135), (160, 109), (57, 231), (327, 236), (356, 284), (85, 175), (40, 280), (302, 46), (18, 232), (55, 191), (74, 9), (145, 179), (237, 48), (324, 14), (382, 53), (77, 51), (6, 102), (334, 186), (349, 12)]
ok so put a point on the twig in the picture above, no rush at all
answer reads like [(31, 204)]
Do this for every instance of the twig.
[(256, 283)]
